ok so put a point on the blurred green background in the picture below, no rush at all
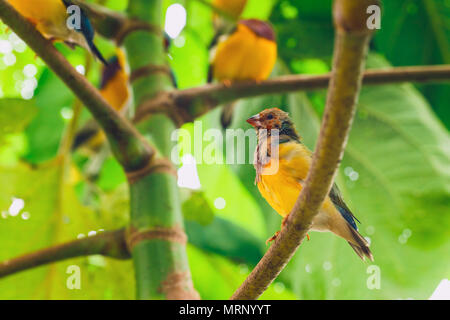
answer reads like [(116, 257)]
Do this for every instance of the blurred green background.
[(395, 175)]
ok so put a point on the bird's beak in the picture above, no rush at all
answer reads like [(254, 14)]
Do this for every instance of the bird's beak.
[(254, 121)]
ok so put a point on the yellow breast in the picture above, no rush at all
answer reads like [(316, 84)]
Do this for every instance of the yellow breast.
[(50, 18), (116, 91), (45, 14), (282, 188), (244, 56)]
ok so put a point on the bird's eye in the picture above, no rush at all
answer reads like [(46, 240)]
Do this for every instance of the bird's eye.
[(269, 116)]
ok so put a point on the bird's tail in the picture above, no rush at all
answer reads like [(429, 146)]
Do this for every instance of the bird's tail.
[(96, 52), (85, 134), (226, 117), (359, 244)]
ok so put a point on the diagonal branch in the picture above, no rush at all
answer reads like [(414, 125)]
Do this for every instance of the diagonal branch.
[(195, 102), (110, 243), (129, 147), (351, 45)]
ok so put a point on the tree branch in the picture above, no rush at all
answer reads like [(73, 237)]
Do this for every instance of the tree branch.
[(110, 244), (195, 102), (351, 45), (129, 147)]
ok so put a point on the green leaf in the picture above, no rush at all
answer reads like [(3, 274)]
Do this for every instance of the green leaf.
[(45, 131), (422, 27), (15, 115), (196, 208), (226, 239), (52, 214)]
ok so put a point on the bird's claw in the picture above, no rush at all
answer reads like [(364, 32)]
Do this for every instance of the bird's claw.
[(272, 238), (284, 221), (227, 83), (34, 22)]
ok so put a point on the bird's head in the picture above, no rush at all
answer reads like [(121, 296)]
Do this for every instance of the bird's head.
[(274, 118), (260, 28)]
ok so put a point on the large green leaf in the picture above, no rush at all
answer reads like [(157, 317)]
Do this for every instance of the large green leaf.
[(418, 33), (52, 214), (45, 131), (226, 239), (15, 114)]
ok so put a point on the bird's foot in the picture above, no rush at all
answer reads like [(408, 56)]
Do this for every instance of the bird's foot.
[(272, 238), (34, 22), (227, 83), (307, 236), (284, 221)]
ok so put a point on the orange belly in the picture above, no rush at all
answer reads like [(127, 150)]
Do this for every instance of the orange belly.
[(282, 189), (244, 56)]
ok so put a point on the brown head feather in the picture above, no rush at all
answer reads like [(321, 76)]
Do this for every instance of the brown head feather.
[(260, 28)]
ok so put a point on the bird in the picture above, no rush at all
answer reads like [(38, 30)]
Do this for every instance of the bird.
[(114, 87), (50, 18), (281, 187), (249, 53)]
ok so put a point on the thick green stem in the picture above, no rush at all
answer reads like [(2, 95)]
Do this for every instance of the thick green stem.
[(157, 237)]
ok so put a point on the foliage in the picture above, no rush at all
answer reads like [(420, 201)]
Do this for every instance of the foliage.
[(395, 174)]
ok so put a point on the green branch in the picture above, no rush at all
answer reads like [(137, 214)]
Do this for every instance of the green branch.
[(158, 239), (352, 38), (110, 244)]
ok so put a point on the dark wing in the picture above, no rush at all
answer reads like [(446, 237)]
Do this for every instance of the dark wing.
[(336, 198), (110, 71), (167, 45), (88, 32), (210, 73), (89, 130), (212, 47)]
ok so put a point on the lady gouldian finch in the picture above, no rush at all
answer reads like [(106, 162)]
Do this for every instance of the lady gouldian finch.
[(281, 187), (249, 53), (115, 89), (50, 18)]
